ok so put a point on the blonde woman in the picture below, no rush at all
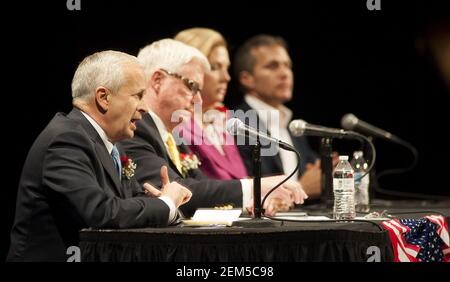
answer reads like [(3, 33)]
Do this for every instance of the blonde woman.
[(208, 138)]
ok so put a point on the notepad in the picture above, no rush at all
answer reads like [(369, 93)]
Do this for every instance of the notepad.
[(211, 217)]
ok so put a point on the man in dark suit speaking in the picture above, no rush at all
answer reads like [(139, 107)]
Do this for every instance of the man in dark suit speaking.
[(73, 177)]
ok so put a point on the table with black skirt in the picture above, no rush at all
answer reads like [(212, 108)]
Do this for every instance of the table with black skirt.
[(280, 241)]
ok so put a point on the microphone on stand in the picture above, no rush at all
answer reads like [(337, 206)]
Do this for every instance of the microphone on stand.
[(300, 127), (351, 122), (236, 127)]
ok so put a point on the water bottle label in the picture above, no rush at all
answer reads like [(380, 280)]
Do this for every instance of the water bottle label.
[(361, 181), (362, 192), (343, 183), (357, 178)]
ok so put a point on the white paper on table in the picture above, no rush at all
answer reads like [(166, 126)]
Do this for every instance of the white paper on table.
[(303, 218), (291, 213), (205, 217)]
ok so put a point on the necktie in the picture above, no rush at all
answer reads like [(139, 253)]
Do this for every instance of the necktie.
[(116, 158), (173, 152)]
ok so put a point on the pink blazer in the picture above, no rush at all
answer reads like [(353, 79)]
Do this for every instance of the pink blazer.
[(214, 164)]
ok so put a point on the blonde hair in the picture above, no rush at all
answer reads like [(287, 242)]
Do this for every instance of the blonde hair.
[(204, 39)]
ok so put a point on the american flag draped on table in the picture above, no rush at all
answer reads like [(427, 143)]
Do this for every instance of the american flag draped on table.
[(419, 240)]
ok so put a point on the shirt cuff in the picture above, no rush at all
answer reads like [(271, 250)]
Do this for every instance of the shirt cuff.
[(247, 187), (171, 205)]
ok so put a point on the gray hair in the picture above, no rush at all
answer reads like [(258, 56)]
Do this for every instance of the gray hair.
[(100, 69), (170, 55)]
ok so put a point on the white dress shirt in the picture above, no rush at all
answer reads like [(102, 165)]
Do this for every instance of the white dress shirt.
[(278, 130), (213, 128), (109, 146)]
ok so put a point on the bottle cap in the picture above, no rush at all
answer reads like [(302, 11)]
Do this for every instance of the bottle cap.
[(343, 158)]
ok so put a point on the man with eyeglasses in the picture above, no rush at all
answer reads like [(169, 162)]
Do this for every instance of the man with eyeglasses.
[(174, 73)]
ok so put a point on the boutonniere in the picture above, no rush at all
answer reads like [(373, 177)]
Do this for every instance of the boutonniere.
[(128, 167), (188, 162)]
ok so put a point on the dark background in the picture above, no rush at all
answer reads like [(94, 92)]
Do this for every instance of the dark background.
[(375, 64)]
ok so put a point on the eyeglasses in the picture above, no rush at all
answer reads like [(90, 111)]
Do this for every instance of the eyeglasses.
[(192, 85)]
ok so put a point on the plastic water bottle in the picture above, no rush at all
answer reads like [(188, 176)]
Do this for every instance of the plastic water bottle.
[(360, 166), (344, 190)]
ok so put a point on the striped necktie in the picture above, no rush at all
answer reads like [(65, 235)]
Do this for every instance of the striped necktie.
[(116, 158)]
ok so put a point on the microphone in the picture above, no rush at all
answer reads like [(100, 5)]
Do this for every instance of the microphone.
[(351, 122), (236, 127), (300, 127)]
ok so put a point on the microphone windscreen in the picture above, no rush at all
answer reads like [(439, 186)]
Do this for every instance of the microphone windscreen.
[(297, 127), (349, 121)]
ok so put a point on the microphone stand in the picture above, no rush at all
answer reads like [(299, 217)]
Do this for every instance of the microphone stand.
[(373, 181), (326, 165), (257, 221), (257, 179)]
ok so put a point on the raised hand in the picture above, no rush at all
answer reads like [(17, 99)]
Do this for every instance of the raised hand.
[(175, 191)]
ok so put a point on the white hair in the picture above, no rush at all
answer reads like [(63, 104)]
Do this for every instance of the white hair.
[(100, 69), (170, 55)]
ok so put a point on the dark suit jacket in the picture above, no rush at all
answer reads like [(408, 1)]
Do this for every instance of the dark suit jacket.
[(271, 165), (68, 183), (147, 149)]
